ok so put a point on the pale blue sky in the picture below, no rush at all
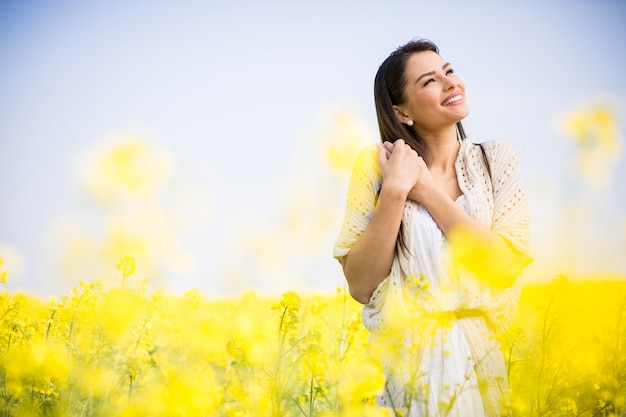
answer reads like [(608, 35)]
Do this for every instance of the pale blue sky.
[(235, 90)]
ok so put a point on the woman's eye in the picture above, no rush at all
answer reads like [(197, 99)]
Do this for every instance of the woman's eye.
[(432, 80), (450, 71)]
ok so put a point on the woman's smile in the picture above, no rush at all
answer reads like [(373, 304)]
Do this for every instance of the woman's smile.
[(453, 99)]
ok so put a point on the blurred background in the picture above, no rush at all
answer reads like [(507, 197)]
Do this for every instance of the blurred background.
[(212, 141)]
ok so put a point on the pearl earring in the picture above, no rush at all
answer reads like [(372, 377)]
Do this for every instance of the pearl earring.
[(409, 123)]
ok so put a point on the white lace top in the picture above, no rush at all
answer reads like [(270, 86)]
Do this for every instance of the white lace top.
[(495, 200)]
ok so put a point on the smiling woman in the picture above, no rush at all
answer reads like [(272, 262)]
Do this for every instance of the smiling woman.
[(428, 216)]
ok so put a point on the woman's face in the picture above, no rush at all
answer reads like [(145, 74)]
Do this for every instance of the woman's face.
[(435, 96)]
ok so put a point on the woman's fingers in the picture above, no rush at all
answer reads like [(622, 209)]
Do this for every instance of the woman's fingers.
[(399, 158), (388, 146), (401, 148), (383, 155), (400, 165)]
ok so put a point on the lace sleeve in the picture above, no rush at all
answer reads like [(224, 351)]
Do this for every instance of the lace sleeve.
[(511, 218), (363, 190)]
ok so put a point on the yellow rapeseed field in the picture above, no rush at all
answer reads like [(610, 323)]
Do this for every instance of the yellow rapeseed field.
[(128, 351)]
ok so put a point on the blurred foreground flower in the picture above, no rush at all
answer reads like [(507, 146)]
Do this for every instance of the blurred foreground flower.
[(598, 141), (496, 262)]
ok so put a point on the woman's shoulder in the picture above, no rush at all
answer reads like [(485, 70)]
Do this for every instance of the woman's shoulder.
[(494, 150), (369, 151), (367, 159)]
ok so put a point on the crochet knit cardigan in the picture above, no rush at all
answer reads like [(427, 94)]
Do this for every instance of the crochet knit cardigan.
[(496, 199)]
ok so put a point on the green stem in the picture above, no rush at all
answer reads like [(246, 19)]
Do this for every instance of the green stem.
[(6, 375), (49, 326), (311, 398), (7, 312)]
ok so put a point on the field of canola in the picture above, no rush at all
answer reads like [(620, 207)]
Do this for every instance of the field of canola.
[(128, 351)]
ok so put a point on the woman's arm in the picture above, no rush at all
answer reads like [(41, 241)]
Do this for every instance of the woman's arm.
[(476, 247), (369, 260), (447, 214)]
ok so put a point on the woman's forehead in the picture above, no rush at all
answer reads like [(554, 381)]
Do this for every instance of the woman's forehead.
[(424, 62)]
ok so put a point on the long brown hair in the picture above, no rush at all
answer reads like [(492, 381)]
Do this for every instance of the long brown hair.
[(389, 87)]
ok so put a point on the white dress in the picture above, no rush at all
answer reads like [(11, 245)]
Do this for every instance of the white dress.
[(446, 382)]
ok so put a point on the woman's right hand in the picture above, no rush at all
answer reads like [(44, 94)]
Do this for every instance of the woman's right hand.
[(369, 260), (400, 166)]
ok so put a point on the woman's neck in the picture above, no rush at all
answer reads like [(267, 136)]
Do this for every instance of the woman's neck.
[(442, 150)]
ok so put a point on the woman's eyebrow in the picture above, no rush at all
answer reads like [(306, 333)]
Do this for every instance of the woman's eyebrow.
[(447, 64)]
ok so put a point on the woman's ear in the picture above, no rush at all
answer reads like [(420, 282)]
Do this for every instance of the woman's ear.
[(401, 115)]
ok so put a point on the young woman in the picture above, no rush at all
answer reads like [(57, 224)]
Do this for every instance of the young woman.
[(434, 237)]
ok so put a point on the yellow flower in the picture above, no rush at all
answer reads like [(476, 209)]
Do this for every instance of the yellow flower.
[(126, 266), (289, 307)]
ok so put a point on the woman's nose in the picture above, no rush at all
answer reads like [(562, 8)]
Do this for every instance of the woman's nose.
[(450, 83)]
